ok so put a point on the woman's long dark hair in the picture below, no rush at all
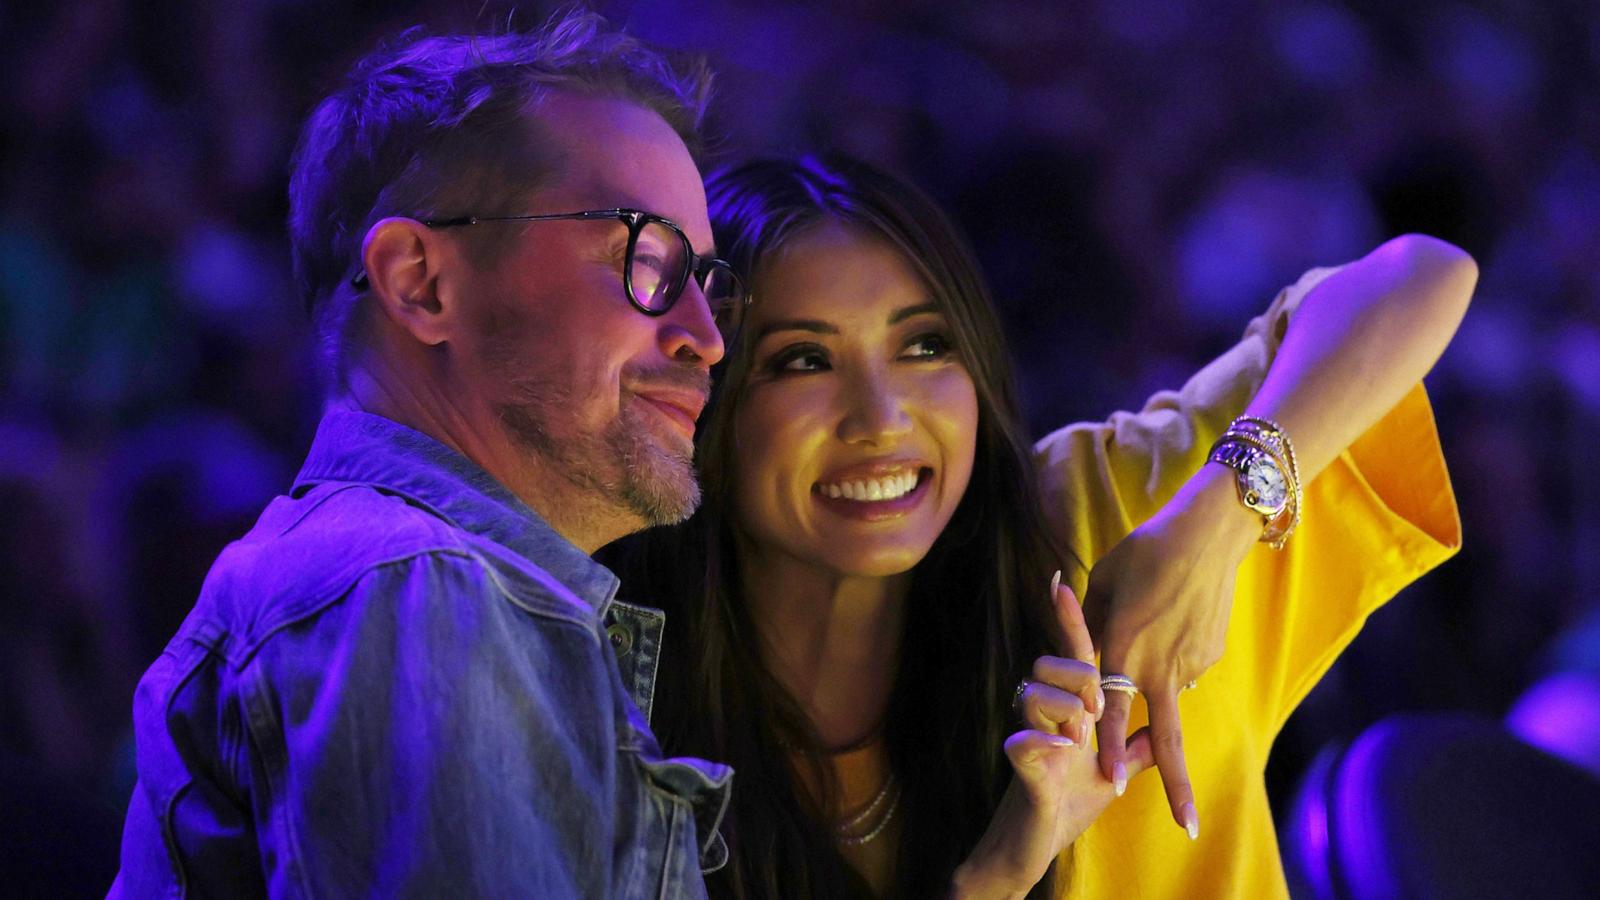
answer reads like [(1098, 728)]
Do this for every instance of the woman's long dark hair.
[(978, 608)]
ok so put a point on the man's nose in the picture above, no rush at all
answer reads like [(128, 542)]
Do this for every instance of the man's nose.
[(689, 331)]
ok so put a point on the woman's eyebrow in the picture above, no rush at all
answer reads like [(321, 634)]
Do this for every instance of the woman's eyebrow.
[(815, 326), (906, 312)]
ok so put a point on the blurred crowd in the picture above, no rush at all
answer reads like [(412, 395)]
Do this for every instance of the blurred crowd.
[(1139, 177)]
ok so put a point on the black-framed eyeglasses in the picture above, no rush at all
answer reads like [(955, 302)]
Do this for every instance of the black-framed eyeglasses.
[(660, 261)]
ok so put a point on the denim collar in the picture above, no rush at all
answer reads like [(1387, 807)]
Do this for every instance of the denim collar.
[(361, 448)]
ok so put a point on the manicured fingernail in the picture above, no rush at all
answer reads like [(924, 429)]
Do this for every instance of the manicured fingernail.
[(1083, 731), (1059, 740), (1055, 583), (1119, 778), (1100, 703), (1191, 821)]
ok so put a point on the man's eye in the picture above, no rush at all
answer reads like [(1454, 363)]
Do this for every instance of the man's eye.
[(927, 346), (649, 261)]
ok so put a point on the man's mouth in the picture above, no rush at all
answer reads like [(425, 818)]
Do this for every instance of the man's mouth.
[(682, 408)]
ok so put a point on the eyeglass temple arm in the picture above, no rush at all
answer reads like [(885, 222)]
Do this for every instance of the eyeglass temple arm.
[(359, 280)]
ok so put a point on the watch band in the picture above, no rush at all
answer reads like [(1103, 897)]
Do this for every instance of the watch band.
[(1241, 456), (1273, 432), (1246, 440)]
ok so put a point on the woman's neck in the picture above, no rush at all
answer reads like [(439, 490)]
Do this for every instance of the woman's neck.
[(831, 640)]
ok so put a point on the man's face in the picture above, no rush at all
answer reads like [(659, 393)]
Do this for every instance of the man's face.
[(582, 385)]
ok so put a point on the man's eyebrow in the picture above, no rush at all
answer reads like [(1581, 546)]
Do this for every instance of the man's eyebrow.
[(815, 326), (906, 312)]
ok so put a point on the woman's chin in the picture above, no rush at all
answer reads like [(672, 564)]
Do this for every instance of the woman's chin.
[(875, 562)]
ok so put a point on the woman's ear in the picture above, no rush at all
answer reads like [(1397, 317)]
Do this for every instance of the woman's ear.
[(402, 258)]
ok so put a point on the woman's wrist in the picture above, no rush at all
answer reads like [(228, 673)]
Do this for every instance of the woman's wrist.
[(1210, 501), (971, 882)]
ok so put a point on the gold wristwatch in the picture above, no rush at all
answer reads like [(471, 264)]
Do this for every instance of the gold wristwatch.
[(1267, 474), (1260, 479)]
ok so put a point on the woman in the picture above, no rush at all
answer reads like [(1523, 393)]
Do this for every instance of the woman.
[(866, 581)]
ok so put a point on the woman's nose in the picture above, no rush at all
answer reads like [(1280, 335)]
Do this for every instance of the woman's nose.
[(877, 415)]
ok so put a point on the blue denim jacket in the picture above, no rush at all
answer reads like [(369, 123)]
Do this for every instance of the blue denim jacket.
[(402, 682)]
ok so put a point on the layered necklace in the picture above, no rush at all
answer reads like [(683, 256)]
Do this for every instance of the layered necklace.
[(867, 824)]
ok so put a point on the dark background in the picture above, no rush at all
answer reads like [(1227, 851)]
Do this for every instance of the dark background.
[(1139, 176)]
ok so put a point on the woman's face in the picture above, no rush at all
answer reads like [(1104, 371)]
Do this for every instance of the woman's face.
[(855, 431)]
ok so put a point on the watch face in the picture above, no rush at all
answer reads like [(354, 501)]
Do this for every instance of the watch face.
[(1263, 479)]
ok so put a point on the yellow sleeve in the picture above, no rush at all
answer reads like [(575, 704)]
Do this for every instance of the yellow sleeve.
[(1377, 518), (1100, 480)]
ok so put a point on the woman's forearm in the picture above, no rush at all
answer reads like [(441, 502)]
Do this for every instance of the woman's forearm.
[(1360, 340)]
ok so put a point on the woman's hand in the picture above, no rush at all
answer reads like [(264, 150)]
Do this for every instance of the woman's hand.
[(1057, 788), (1159, 602)]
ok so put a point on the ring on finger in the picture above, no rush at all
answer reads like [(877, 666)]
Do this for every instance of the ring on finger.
[(1187, 687), (1122, 684)]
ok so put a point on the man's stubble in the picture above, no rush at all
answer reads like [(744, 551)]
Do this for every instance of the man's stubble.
[(623, 463)]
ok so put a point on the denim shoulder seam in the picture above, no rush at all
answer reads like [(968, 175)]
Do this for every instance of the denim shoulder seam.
[(317, 504), (334, 590), (344, 585)]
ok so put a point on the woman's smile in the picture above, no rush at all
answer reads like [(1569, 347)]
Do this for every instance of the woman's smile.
[(857, 425), (875, 491)]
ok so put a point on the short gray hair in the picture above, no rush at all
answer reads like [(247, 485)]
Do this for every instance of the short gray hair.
[(423, 123)]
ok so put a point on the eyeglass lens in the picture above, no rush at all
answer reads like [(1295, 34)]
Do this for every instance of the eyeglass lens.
[(659, 271), (658, 266), (725, 296)]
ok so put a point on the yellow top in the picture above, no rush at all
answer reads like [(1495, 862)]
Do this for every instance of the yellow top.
[(1377, 518)]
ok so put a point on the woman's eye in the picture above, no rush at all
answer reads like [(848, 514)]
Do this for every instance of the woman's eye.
[(927, 346), (800, 359)]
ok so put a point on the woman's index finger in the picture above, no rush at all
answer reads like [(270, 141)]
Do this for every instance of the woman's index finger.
[(1069, 615)]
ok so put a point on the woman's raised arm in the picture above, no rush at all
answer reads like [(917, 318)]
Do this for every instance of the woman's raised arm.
[(1360, 340), (1159, 601)]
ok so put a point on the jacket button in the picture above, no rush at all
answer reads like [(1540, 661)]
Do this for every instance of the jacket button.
[(621, 638)]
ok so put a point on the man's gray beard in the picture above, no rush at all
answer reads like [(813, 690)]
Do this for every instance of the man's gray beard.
[(624, 465)]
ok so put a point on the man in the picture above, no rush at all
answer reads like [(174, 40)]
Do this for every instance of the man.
[(409, 677)]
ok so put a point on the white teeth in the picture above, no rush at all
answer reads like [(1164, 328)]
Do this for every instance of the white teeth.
[(886, 488)]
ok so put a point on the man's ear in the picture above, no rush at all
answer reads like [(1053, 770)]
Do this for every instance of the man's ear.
[(402, 258)]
